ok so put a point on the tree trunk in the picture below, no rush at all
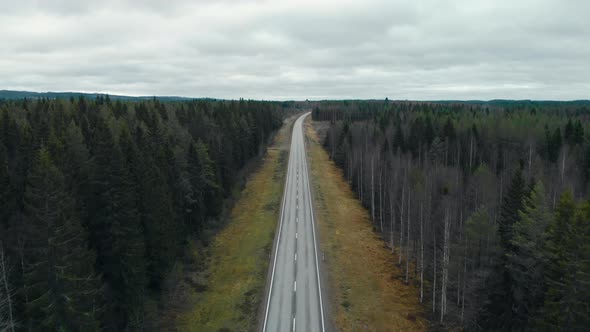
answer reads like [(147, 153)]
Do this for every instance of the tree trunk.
[(361, 177), (421, 253), (530, 158), (372, 189), (7, 291), (434, 274), (470, 153), (392, 213), (401, 221), (563, 165), (464, 283), (381, 198), (408, 239), (445, 269)]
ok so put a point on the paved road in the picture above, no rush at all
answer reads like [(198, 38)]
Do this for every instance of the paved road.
[(294, 300)]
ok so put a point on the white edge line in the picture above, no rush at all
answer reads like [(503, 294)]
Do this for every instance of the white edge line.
[(279, 238), (313, 229)]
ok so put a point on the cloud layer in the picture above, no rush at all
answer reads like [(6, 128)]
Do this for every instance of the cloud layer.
[(299, 49)]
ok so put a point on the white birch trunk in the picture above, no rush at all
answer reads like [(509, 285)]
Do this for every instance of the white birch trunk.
[(445, 269), (381, 198), (471, 153), (434, 275), (408, 239), (401, 222), (421, 252), (9, 325), (392, 213), (373, 188), (530, 158)]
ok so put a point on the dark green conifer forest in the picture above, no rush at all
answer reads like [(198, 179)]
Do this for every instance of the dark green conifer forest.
[(98, 198), (485, 205)]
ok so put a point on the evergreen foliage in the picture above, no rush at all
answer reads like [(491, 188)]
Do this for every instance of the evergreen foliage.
[(498, 226), (99, 198)]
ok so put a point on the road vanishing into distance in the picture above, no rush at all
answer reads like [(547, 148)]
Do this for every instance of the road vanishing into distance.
[(294, 300)]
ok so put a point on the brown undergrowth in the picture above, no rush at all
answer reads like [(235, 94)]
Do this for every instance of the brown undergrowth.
[(365, 291)]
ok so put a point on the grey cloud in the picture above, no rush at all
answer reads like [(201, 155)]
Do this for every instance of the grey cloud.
[(298, 49)]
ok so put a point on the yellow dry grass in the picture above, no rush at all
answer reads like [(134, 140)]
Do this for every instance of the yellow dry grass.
[(239, 254), (365, 293)]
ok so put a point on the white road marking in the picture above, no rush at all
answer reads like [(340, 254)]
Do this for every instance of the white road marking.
[(274, 265), (295, 286), (307, 188), (296, 257)]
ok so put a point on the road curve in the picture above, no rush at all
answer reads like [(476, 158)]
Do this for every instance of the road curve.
[(294, 300)]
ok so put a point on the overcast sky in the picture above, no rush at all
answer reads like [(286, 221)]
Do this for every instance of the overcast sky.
[(299, 49)]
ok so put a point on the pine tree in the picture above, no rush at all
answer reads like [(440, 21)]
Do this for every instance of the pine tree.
[(62, 288)]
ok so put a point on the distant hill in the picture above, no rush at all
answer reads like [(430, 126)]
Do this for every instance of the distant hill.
[(513, 102), (10, 94)]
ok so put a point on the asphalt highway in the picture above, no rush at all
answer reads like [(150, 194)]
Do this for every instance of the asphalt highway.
[(294, 301)]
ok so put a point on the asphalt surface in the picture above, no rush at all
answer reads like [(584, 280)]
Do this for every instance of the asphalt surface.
[(294, 301)]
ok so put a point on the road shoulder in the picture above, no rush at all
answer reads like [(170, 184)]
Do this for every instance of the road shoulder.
[(228, 291)]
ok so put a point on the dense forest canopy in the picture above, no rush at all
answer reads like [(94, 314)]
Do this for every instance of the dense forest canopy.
[(485, 204), (99, 197)]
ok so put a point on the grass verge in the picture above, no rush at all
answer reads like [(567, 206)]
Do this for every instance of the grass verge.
[(364, 290), (226, 294)]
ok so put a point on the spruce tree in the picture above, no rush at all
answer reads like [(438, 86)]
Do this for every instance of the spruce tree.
[(62, 289), (398, 138), (568, 133), (567, 275), (125, 269), (6, 194), (511, 205), (499, 312), (77, 165), (525, 262), (578, 137), (157, 215)]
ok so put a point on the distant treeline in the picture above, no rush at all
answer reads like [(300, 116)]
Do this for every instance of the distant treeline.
[(98, 198), (486, 205), (11, 94)]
